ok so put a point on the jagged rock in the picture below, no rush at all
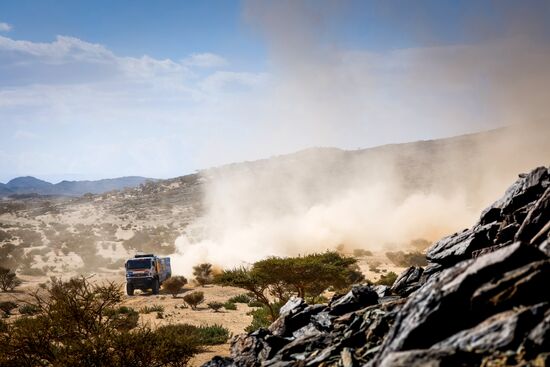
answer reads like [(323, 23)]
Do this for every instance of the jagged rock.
[(220, 362), (442, 307), (295, 315), (408, 281), (536, 219), (359, 296), (539, 338), (518, 287), (525, 190), (459, 246), (503, 331), (382, 290), (430, 358)]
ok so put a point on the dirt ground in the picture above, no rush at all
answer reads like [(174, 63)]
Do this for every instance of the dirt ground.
[(174, 312)]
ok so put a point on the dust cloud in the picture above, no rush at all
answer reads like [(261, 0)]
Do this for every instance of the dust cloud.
[(326, 93)]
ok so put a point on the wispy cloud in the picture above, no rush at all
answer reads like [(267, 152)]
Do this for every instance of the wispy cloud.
[(5, 27), (205, 60)]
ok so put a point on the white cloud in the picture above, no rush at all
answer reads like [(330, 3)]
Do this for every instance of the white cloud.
[(222, 79), (205, 60), (5, 27)]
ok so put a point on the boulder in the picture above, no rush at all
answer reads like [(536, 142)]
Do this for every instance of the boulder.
[(441, 307), (358, 297)]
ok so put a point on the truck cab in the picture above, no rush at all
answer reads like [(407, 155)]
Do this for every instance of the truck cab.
[(146, 271)]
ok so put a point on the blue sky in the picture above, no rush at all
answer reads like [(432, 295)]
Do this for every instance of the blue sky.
[(95, 89)]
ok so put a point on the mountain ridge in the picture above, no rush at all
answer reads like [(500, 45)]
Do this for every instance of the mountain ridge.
[(33, 185)]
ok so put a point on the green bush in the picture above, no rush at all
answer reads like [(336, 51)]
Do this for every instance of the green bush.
[(261, 317), (241, 298), (123, 318), (387, 279), (205, 335), (153, 308), (8, 280), (230, 306), (216, 306), (194, 299), (77, 325), (29, 309)]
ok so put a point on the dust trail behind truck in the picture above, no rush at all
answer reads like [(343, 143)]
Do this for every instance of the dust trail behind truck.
[(146, 271)]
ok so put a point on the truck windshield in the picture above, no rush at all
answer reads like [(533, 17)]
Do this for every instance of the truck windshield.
[(139, 264)]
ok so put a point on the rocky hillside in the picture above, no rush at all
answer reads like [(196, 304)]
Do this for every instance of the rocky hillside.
[(482, 300), (96, 232)]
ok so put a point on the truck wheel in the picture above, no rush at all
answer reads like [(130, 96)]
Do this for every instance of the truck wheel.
[(156, 286), (129, 289)]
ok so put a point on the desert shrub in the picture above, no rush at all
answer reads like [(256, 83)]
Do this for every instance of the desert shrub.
[(203, 273), (213, 334), (280, 278), (206, 335), (406, 259), (78, 325), (255, 303), (216, 306), (261, 317), (153, 308), (241, 298), (6, 307), (194, 299), (8, 280), (359, 252), (124, 318), (29, 309), (174, 285), (387, 279), (230, 306)]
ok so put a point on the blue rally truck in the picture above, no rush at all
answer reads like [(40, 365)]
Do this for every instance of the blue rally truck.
[(146, 271)]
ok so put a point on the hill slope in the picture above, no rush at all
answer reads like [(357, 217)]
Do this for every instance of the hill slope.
[(302, 202)]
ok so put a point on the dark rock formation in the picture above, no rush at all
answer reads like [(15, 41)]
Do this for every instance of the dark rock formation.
[(483, 300)]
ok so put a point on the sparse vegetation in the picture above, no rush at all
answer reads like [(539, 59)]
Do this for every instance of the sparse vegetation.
[(230, 306), (150, 309), (216, 306), (241, 298), (274, 280), (406, 259), (387, 279), (374, 266), (78, 324), (8, 280), (174, 285), (29, 309), (194, 299), (203, 274)]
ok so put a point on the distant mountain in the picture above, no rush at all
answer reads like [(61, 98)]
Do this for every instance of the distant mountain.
[(33, 185)]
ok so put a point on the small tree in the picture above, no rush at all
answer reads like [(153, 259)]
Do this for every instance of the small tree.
[(216, 306), (203, 274), (8, 280), (194, 299), (174, 285)]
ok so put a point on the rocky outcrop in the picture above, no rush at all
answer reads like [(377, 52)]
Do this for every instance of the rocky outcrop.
[(482, 300)]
